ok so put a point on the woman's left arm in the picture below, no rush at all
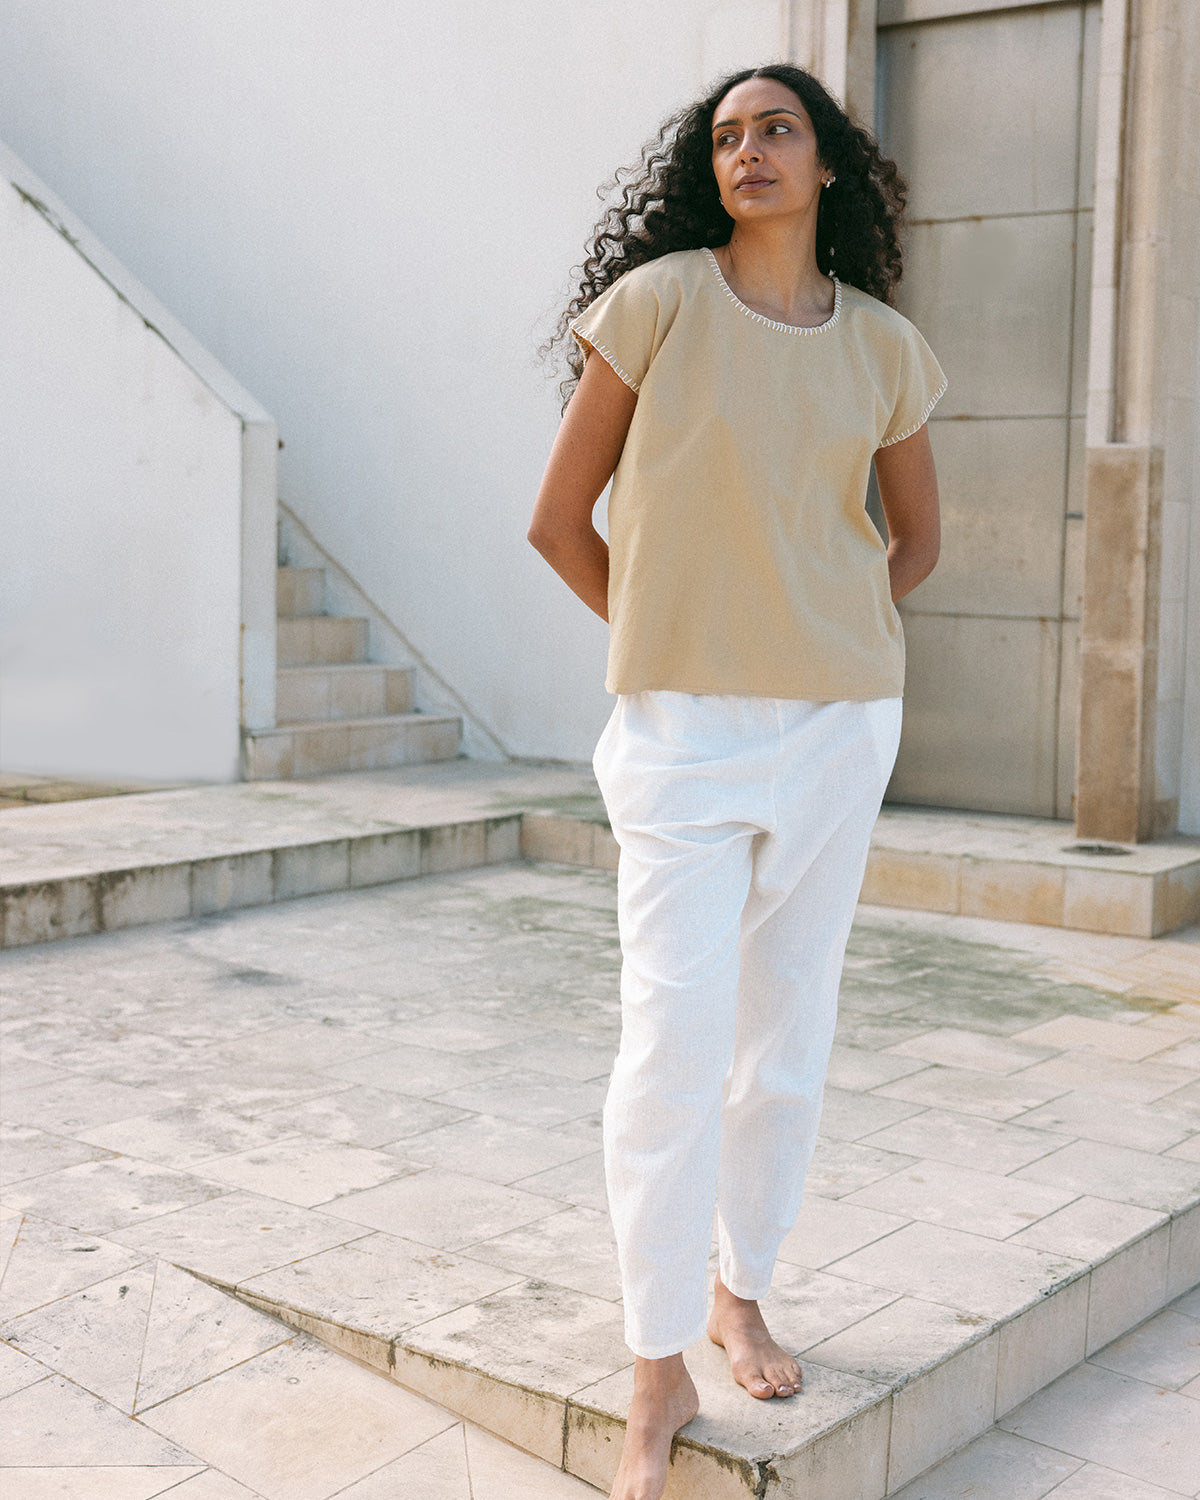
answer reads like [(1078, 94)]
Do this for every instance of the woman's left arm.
[(908, 490)]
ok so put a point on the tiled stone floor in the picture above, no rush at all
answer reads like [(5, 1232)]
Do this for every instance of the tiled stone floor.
[(391, 1097)]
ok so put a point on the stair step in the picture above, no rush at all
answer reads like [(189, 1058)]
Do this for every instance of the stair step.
[(299, 591), (355, 690), (321, 640), (319, 747)]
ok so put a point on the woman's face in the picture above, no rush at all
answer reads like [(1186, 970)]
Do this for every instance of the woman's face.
[(764, 151)]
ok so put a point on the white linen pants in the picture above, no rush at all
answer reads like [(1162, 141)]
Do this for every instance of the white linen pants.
[(743, 825)]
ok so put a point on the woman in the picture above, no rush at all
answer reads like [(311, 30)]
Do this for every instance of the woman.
[(741, 369)]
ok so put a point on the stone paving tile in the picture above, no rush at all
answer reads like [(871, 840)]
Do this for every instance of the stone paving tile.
[(64, 1107), (828, 1228), (237, 1236), (529, 1097), (839, 1168), (100, 1196), (970, 1091), (111, 1482), (847, 1116), (1165, 1351), (574, 1248), (968, 1141), (49, 1261), (957, 1048), (960, 1198), (445, 1209), (27, 1152), (17, 1370), (1116, 1172), (997, 1466), (982, 1276), (1137, 1083), (534, 1334), (381, 1284), (331, 1425), (306, 1172), (497, 1150), (900, 1340), (580, 1181), (362, 1116), (420, 1071), (1140, 1126), (1115, 1421), (1089, 1228), (1126, 1040), (56, 1423), (184, 1136), (860, 1070), (94, 1337)]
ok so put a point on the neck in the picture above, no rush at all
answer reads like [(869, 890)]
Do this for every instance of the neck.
[(780, 260)]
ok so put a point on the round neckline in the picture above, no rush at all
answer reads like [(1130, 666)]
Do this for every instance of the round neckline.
[(771, 322)]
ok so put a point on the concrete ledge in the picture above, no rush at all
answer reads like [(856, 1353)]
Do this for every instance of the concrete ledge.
[(861, 1431), (107, 900), (976, 865)]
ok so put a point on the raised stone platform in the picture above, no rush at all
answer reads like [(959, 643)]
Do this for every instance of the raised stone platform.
[(374, 1113), (85, 867)]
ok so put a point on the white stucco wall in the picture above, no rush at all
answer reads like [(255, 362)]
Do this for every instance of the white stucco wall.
[(120, 563), (368, 212)]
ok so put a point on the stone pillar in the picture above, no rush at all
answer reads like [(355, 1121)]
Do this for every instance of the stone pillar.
[(1118, 650), (1141, 480), (835, 39)]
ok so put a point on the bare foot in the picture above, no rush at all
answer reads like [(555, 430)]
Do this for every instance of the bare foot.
[(664, 1400), (756, 1360)]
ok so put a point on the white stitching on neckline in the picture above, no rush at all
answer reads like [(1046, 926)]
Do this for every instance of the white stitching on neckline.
[(908, 431), (770, 322)]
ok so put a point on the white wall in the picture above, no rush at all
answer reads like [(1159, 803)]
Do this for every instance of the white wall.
[(368, 211), (122, 475)]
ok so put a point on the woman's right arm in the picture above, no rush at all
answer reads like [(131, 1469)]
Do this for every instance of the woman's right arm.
[(581, 463)]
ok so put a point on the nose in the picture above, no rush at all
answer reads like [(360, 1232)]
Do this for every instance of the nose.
[(748, 151)]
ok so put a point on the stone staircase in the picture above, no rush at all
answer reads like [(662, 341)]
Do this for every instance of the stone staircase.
[(335, 709)]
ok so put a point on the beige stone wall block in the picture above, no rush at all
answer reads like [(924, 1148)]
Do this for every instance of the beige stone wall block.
[(980, 720), (44, 912), (565, 841), (1176, 899), (1068, 719), (531, 1420), (1183, 1262), (606, 851), (920, 882), (848, 1463), (131, 898), (380, 857), (307, 869), (1102, 901), (1072, 593), (1127, 1288), (1118, 519), (1085, 235), (1001, 485), (997, 82), (1012, 892), (1089, 111), (501, 840), (943, 1409), (453, 846), (230, 882), (1042, 1343), (992, 297), (1108, 777)]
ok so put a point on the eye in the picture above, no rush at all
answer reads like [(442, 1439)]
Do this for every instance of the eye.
[(778, 125), (725, 138)]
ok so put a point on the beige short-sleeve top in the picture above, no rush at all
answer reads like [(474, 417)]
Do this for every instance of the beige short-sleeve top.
[(742, 557)]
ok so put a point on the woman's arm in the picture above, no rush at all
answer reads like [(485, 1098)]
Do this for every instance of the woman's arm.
[(581, 463), (908, 490)]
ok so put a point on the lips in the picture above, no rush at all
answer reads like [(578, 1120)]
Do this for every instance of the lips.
[(754, 182)]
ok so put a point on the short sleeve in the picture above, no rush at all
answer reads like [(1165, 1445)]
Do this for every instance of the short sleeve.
[(621, 325), (921, 386)]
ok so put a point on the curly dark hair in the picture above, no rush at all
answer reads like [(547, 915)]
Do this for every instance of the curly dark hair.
[(669, 202)]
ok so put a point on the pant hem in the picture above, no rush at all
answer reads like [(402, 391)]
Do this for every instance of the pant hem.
[(664, 1351)]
